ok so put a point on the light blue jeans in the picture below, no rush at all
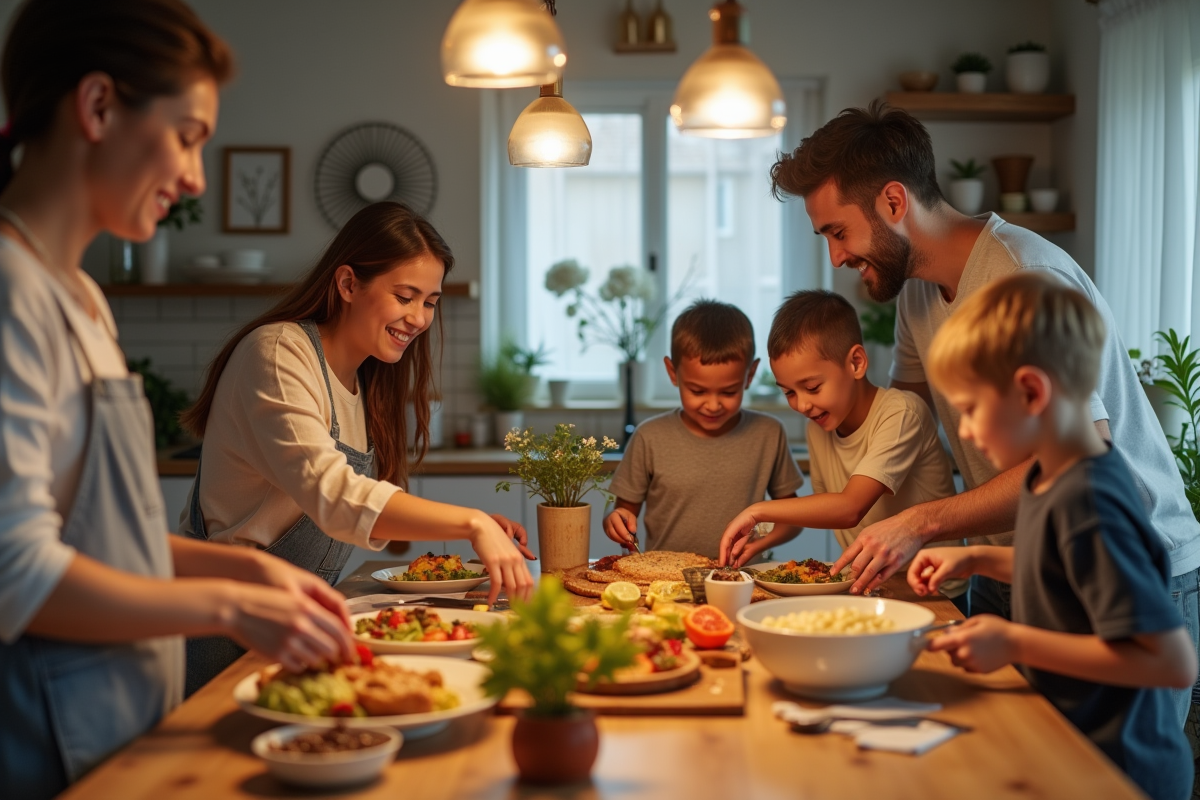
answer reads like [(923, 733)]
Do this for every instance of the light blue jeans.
[(993, 597)]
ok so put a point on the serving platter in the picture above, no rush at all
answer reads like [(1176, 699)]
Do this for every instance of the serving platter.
[(458, 649), (796, 589), (464, 678), (687, 673), (384, 576)]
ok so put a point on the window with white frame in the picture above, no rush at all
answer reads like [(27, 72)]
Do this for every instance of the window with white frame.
[(696, 213)]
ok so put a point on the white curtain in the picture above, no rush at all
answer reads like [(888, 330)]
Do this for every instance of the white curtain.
[(1147, 173)]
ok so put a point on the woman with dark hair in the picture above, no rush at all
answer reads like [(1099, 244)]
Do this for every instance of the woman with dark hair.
[(305, 449), (111, 102)]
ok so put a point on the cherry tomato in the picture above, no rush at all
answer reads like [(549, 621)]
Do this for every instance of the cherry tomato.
[(460, 632), (342, 710), (365, 656)]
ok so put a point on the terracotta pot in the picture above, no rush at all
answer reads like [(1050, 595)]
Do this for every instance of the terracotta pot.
[(563, 536), (1012, 172), (555, 750)]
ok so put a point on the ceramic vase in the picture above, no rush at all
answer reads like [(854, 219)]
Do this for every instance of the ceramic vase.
[(1012, 172), (563, 536), (555, 750), (1027, 72), (966, 195), (971, 82), (152, 257), (558, 393), (643, 383), (506, 421)]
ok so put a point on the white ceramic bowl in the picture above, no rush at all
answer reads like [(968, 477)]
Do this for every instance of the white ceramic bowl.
[(728, 596), (384, 576), (244, 259), (1044, 201), (325, 769), (798, 589), (832, 666)]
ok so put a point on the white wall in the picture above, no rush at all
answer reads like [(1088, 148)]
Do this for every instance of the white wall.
[(309, 68)]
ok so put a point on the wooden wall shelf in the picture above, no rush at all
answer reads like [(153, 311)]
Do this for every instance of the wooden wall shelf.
[(984, 107), (469, 289), (644, 47), (1057, 222)]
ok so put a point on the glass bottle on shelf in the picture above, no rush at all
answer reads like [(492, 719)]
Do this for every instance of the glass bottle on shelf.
[(629, 24), (122, 267), (658, 26)]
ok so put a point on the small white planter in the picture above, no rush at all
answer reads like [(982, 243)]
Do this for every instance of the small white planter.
[(1043, 201), (971, 82), (558, 393), (1027, 72), (966, 195), (153, 256), (506, 421)]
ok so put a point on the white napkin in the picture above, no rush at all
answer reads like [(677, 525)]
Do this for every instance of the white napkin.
[(372, 602), (891, 734)]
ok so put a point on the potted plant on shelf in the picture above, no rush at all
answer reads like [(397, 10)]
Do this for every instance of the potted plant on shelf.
[(166, 403), (153, 255), (971, 70), (1177, 374), (879, 337), (1027, 68), (560, 468), (966, 187), (542, 651), (505, 389), (527, 360)]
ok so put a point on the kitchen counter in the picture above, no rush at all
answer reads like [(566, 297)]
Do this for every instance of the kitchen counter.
[(1020, 747), (466, 461)]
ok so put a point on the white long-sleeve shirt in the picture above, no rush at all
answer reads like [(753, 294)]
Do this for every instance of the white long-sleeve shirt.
[(268, 457), (43, 424)]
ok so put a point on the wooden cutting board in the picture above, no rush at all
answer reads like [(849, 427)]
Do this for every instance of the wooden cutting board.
[(718, 692)]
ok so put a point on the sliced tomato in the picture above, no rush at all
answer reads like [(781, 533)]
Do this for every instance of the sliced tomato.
[(342, 710), (708, 628), (437, 635), (460, 633), (365, 656)]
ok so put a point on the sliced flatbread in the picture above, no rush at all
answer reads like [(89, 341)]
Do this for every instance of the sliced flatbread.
[(660, 565), (575, 583), (606, 576)]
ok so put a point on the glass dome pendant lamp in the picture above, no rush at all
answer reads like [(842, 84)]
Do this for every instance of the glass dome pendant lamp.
[(502, 44), (550, 133), (729, 93)]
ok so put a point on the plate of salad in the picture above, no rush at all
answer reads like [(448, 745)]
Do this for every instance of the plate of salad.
[(433, 574), (666, 662), (420, 630)]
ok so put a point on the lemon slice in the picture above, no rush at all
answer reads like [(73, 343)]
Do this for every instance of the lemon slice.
[(621, 596)]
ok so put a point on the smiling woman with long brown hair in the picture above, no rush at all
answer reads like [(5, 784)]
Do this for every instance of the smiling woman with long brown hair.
[(305, 449)]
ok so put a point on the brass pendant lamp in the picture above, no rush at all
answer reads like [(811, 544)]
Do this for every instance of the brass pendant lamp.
[(729, 93), (501, 44)]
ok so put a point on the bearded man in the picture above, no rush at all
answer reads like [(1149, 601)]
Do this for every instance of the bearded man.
[(869, 186)]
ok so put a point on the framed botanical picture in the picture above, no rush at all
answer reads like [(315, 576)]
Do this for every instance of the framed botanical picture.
[(257, 189)]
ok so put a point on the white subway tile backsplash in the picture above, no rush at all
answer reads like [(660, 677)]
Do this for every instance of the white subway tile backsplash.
[(139, 308), (214, 308), (177, 308), (247, 308), (163, 355)]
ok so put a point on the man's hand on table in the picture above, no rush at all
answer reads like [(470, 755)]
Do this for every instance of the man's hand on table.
[(981, 644), (880, 550)]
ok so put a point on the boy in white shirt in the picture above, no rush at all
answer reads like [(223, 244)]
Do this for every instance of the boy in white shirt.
[(873, 452)]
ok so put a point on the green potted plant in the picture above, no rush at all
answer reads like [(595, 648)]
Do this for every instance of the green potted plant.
[(153, 255), (527, 360), (561, 468), (1177, 373), (1027, 68), (505, 390), (879, 337), (166, 403), (543, 651), (971, 71), (966, 187)]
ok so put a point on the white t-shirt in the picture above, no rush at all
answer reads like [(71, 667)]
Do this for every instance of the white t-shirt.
[(43, 423), (1000, 250), (897, 445), (268, 457)]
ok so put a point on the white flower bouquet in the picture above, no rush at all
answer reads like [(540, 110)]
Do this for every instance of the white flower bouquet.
[(617, 315)]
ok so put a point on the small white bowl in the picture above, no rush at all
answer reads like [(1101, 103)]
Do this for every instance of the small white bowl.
[(244, 259), (1044, 201), (325, 769), (729, 597), (1013, 202)]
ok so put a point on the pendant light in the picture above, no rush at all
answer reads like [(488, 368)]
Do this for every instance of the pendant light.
[(550, 133), (501, 44), (728, 93)]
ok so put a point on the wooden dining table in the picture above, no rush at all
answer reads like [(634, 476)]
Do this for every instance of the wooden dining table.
[(1017, 746)]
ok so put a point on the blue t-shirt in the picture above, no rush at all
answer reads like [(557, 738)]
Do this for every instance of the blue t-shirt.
[(1086, 561)]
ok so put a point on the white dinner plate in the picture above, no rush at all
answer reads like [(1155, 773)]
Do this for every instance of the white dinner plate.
[(464, 678), (459, 649), (798, 589), (428, 587)]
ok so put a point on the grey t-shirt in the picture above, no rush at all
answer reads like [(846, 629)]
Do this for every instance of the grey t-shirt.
[(1086, 561), (693, 486), (1000, 250)]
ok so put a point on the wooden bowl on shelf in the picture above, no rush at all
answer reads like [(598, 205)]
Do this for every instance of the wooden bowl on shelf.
[(918, 80)]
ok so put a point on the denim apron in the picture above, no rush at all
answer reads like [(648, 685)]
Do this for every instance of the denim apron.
[(304, 544), (65, 706)]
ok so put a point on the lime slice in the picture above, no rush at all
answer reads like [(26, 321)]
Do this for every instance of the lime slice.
[(621, 596)]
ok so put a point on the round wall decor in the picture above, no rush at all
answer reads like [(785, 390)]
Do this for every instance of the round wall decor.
[(370, 162)]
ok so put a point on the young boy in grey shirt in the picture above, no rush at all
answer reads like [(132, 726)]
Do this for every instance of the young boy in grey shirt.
[(1093, 626), (699, 465)]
